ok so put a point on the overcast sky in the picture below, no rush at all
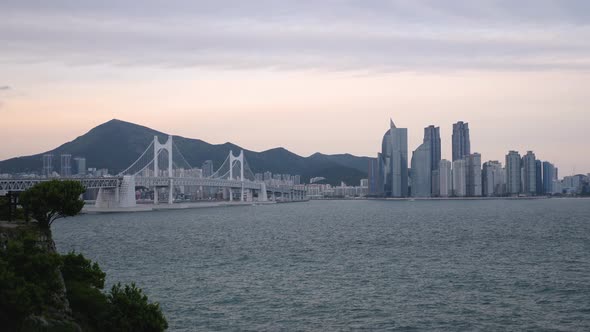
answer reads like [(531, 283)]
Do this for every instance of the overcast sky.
[(306, 75)]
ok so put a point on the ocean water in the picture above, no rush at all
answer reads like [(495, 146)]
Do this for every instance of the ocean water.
[(352, 265)]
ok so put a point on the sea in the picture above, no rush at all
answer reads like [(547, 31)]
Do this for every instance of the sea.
[(373, 265)]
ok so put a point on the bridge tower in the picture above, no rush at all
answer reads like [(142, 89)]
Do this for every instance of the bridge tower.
[(157, 148), (239, 158)]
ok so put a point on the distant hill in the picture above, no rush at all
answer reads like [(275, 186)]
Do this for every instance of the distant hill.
[(116, 144)]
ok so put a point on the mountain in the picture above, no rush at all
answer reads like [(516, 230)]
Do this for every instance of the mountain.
[(117, 144)]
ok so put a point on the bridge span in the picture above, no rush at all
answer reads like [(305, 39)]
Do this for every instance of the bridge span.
[(233, 177)]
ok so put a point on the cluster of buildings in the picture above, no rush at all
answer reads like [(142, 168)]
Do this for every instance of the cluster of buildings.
[(464, 175), (69, 167), (327, 191)]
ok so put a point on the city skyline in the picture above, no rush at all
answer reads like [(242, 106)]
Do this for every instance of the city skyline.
[(517, 72)]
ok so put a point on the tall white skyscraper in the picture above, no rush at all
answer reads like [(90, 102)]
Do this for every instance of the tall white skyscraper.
[(461, 141), (459, 178), (473, 165), (529, 173), (66, 165), (47, 164), (445, 178), (513, 173), (493, 179), (422, 171)]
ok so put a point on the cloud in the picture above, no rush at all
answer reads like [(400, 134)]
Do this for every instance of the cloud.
[(329, 35), (4, 87)]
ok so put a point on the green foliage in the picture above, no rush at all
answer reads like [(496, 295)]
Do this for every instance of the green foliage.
[(29, 279), (123, 309), (131, 311), (84, 281), (48, 201)]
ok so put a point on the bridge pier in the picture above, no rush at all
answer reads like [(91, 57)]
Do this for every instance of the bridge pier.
[(171, 192), (155, 195)]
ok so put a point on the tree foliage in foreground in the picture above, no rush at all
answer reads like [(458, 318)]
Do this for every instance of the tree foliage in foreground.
[(125, 308), (29, 279), (51, 200)]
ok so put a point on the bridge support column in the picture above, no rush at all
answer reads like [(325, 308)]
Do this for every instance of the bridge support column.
[(155, 195), (262, 195), (242, 193), (171, 192), (231, 194)]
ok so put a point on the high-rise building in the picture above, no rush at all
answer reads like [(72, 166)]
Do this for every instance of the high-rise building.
[(539, 177), (473, 165), (267, 176), (459, 178), (66, 165), (297, 179), (461, 142), (207, 168), (493, 179), (432, 135), (548, 177), (80, 163), (394, 156), (422, 170), (47, 164), (529, 174), (375, 177), (513, 175), (445, 178)]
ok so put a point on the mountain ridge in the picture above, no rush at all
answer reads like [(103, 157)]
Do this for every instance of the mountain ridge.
[(116, 144)]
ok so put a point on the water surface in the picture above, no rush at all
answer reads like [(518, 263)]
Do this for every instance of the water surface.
[(348, 265)]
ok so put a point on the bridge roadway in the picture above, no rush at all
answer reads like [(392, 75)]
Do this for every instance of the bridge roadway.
[(17, 185)]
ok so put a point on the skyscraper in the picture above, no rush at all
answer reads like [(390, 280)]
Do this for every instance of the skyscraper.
[(432, 135), (493, 179), (66, 165), (459, 178), (539, 177), (80, 163), (513, 173), (375, 178), (207, 168), (548, 177), (394, 156), (47, 164), (529, 173), (473, 166), (422, 170), (461, 142), (445, 178)]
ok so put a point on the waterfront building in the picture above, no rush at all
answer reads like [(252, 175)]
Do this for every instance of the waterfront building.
[(493, 179), (375, 185), (267, 176), (459, 178), (47, 164), (461, 141), (394, 157), (445, 178), (422, 170), (513, 173), (539, 177), (548, 177), (66, 165), (473, 166), (529, 174), (432, 135)]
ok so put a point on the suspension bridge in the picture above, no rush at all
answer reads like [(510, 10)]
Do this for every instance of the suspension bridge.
[(163, 171)]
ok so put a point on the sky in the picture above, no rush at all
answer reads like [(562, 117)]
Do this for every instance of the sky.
[(310, 76)]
